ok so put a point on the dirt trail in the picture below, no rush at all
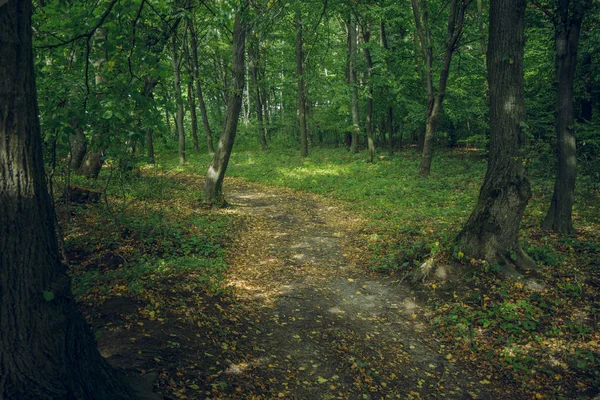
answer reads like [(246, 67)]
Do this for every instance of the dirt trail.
[(304, 318), (326, 328)]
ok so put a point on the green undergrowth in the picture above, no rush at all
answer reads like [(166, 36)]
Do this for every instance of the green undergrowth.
[(546, 340), (146, 229)]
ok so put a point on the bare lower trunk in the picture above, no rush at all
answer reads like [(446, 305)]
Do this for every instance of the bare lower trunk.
[(150, 147), (46, 349), (369, 79), (193, 115), (559, 216), (175, 64), (213, 186), (92, 164), (491, 233), (301, 91), (254, 69), (352, 81), (390, 129), (207, 131), (389, 110), (78, 145), (433, 117)]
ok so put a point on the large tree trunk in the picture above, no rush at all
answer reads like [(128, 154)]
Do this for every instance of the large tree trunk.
[(208, 133), (254, 62), (455, 24), (301, 89), (369, 79), (213, 185), (175, 64), (491, 233), (46, 349), (351, 27), (566, 40)]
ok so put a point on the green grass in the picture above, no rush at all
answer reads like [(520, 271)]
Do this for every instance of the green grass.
[(153, 222), (147, 228), (407, 216)]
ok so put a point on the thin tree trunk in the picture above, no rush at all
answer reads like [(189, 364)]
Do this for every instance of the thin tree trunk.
[(389, 111), (150, 146), (47, 350), (369, 79), (208, 133), (455, 24), (175, 64), (301, 88), (567, 29), (491, 233), (91, 164), (246, 102), (193, 114), (213, 186), (254, 62), (149, 93), (351, 26)]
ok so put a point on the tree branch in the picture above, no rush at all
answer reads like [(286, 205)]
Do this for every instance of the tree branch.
[(87, 35)]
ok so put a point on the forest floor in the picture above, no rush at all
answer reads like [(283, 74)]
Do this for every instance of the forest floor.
[(300, 316)]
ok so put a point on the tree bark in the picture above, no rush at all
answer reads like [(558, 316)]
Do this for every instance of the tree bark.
[(175, 64), (149, 93), (566, 41), (78, 146), (46, 349), (351, 26), (213, 186), (301, 88), (491, 233), (389, 121), (193, 114), (208, 133), (254, 70), (369, 79)]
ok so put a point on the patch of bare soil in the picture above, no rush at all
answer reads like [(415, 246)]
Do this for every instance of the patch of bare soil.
[(303, 318)]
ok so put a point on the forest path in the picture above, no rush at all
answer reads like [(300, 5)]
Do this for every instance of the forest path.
[(322, 326), (301, 316)]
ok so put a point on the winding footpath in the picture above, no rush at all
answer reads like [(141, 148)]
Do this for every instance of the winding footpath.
[(323, 327)]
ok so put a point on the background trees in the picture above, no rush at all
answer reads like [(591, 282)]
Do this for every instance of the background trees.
[(111, 76)]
